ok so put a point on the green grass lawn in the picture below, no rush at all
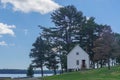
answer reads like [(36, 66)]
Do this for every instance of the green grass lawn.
[(96, 74)]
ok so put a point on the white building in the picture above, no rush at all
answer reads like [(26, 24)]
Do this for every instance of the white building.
[(78, 59)]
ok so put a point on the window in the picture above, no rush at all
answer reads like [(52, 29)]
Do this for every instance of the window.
[(77, 62), (77, 53)]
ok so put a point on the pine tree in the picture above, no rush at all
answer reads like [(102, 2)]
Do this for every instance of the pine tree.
[(30, 71), (66, 19), (38, 53)]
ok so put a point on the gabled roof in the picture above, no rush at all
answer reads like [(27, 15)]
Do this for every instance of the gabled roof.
[(75, 48)]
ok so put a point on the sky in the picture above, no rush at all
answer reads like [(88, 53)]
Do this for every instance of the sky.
[(19, 20)]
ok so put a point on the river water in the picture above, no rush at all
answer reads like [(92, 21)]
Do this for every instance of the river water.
[(21, 75)]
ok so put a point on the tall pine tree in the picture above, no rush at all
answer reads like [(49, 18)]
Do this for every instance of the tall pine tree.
[(38, 53)]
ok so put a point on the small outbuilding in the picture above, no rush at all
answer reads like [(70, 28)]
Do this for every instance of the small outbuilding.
[(78, 59)]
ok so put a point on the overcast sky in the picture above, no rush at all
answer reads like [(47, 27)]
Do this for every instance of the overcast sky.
[(19, 20)]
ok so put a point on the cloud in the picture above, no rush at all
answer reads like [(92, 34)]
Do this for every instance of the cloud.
[(41, 6), (25, 31), (3, 43), (6, 29), (1, 36), (12, 44)]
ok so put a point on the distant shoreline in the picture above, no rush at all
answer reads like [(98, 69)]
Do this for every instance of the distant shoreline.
[(20, 71), (21, 75)]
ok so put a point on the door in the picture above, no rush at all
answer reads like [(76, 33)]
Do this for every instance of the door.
[(83, 65)]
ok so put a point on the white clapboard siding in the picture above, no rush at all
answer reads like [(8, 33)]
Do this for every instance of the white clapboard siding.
[(72, 58)]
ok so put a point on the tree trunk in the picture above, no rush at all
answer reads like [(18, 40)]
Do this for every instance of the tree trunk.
[(97, 64), (112, 62), (61, 69), (61, 65), (93, 64), (42, 71), (101, 63), (66, 69), (108, 64), (55, 71)]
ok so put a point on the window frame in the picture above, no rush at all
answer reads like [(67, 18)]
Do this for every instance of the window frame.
[(77, 62), (77, 53)]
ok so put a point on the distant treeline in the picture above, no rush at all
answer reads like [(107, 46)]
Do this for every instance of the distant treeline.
[(19, 71)]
